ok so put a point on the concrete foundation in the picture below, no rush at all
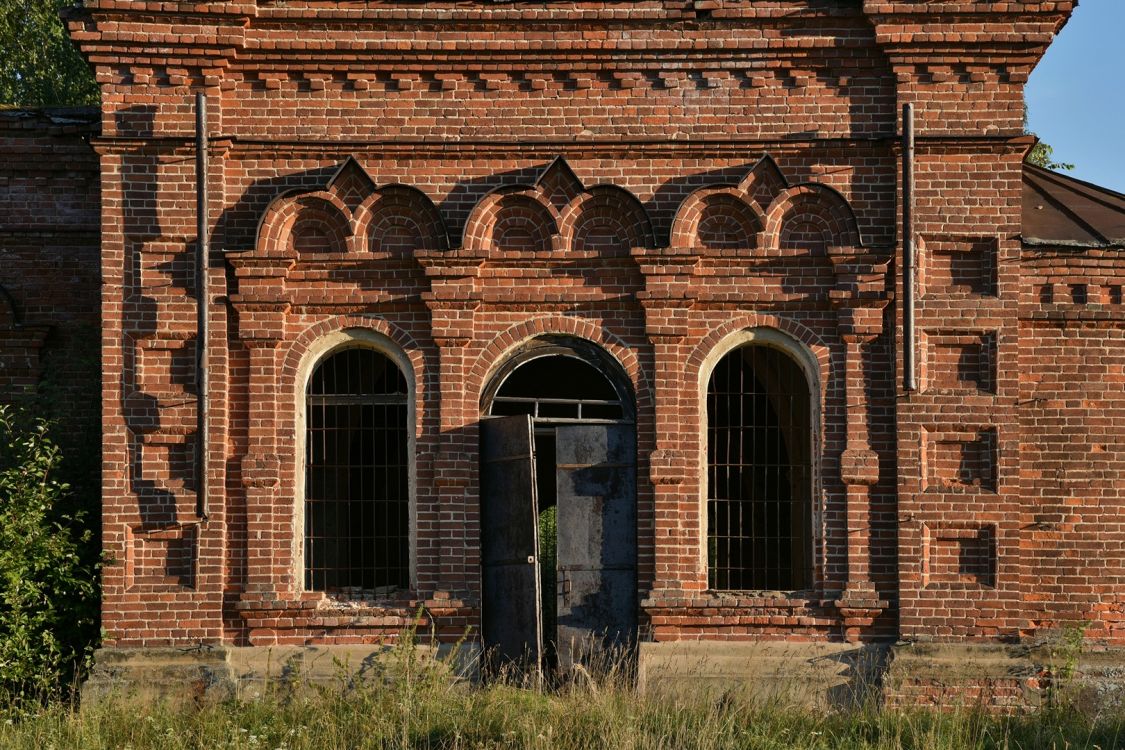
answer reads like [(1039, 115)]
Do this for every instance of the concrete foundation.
[(215, 672), (817, 676)]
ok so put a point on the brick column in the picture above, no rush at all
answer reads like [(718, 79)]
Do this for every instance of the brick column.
[(269, 528), (262, 312), (452, 528), (859, 297), (677, 522)]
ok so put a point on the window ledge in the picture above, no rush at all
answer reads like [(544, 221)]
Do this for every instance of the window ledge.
[(774, 600)]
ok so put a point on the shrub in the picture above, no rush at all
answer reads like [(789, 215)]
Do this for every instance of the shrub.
[(48, 591)]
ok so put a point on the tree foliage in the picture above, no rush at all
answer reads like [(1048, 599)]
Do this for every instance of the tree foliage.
[(1041, 154), (48, 589), (39, 66)]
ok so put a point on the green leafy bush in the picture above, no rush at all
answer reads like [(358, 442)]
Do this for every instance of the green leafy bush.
[(48, 590), (39, 67)]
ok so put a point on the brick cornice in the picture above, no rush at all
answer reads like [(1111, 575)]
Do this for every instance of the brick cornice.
[(308, 36), (1012, 35)]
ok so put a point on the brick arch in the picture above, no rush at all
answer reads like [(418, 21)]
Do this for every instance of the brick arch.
[(817, 209), (605, 207), (424, 373), (709, 208), (801, 335), (512, 214), (322, 214), (275, 223), (397, 220), (499, 349)]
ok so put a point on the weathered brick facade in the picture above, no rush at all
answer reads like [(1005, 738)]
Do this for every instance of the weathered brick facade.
[(49, 265), (667, 181)]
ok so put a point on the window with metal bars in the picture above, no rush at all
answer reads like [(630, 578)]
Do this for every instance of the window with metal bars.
[(357, 493), (759, 472)]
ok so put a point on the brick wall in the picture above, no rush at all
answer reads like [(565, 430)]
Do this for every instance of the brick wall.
[(49, 270), (1072, 450), (397, 168)]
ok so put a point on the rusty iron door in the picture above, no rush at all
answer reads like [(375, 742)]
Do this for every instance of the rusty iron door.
[(597, 541), (510, 618)]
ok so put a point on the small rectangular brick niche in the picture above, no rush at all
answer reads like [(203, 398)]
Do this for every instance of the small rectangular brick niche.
[(960, 461), (161, 558), (959, 360), (167, 466), (958, 266), (165, 366), (959, 554)]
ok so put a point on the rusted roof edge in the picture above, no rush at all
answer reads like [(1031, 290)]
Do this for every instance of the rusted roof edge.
[(1074, 244)]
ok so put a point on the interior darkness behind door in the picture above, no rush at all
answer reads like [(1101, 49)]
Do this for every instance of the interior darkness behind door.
[(509, 528)]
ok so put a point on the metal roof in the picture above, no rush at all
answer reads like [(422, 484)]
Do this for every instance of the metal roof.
[(1064, 212)]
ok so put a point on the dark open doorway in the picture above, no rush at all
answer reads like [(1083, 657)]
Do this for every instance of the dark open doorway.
[(558, 480)]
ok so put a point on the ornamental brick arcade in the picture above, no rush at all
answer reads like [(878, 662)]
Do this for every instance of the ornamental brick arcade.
[(638, 266)]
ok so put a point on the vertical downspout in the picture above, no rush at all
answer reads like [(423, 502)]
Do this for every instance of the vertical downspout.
[(201, 264), (908, 339)]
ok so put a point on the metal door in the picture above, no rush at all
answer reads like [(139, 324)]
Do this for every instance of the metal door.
[(510, 620), (597, 540)]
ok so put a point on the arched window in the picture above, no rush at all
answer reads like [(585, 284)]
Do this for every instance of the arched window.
[(759, 472), (357, 489)]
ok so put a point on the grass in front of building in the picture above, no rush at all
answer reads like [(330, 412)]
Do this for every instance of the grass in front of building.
[(414, 702)]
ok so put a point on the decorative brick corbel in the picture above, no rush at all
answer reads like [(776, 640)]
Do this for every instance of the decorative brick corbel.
[(453, 297), (858, 607), (260, 471), (669, 468), (859, 465), (260, 325), (666, 320), (668, 296)]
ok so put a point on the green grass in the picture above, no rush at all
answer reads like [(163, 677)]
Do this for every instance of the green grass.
[(425, 709)]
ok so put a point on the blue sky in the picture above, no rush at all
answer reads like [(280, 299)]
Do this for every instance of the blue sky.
[(1076, 95)]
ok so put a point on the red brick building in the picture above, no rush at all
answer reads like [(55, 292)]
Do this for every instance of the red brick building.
[(620, 283)]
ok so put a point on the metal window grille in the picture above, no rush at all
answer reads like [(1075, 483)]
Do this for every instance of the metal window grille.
[(357, 495), (759, 447), (558, 388)]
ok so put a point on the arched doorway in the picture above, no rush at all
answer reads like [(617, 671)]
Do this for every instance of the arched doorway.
[(558, 506)]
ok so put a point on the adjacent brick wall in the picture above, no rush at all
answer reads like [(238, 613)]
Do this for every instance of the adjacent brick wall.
[(1072, 405), (49, 267)]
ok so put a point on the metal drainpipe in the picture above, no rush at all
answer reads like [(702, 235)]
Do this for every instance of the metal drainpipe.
[(908, 339), (201, 264)]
